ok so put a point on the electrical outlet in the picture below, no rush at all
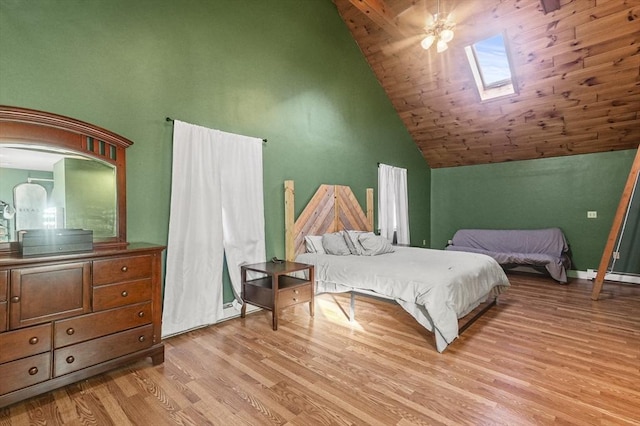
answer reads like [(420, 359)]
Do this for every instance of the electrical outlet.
[(424, 243), (592, 214)]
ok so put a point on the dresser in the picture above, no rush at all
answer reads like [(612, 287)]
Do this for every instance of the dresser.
[(68, 317)]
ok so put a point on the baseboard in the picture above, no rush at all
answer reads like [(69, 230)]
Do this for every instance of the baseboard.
[(228, 312), (590, 274)]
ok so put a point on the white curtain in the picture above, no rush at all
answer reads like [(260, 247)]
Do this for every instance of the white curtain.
[(217, 208), (393, 203)]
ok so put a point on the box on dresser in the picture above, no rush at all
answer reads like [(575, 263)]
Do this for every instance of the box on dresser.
[(71, 316), (38, 242)]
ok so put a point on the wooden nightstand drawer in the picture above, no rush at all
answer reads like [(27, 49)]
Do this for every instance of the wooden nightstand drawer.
[(25, 372), (116, 295), (121, 269), (82, 355), (291, 296), (75, 330), (25, 342)]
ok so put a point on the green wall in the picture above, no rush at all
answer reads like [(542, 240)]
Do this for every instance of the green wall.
[(534, 194), (286, 70), (289, 71)]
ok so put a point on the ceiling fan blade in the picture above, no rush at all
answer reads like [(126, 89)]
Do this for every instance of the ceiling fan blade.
[(460, 12), (397, 46), (417, 16)]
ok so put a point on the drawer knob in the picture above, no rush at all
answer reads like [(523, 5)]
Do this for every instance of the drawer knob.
[(33, 371), (296, 291), (70, 359), (124, 269), (34, 340), (141, 339), (15, 299), (124, 293), (141, 314), (70, 331), (295, 299)]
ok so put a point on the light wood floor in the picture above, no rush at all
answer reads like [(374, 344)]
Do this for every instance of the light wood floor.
[(546, 354)]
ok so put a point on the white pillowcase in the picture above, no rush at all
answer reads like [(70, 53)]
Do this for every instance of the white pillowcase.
[(313, 244), (374, 244), (351, 238), (335, 244)]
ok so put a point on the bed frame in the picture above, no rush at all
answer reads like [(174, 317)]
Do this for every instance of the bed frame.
[(334, 208)]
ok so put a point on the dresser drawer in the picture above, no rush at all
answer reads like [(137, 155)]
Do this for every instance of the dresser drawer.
[(4, 288), (82, 355), (3, 316), (41, 294), (116, 295), (4, 285), (121, 269), (25, 372), (75, 330), (291, 296), (25, 342)]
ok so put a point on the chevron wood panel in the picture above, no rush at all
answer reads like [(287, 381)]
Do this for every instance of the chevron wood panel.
[(351, 216), (332, 208), (317, 218)]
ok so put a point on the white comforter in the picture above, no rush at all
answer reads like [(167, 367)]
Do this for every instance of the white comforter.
[(435, 286)]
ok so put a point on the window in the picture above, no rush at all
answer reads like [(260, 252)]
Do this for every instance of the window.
[(491, 67)]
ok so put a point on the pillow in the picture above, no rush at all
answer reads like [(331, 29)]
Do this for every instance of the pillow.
[(351, 238), (374, 244), (313, 243), (334, 244)]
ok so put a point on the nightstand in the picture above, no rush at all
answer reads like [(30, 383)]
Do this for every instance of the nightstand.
[(277, 288)]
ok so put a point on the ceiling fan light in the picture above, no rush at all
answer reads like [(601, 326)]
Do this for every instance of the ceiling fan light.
[(427, 41), (441, 46), (446, 35)]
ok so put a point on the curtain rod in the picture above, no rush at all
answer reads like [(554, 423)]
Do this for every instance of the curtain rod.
[(171, 119)]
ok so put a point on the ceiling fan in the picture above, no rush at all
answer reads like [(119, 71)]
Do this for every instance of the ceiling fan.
[(422, 28), (440, 29)]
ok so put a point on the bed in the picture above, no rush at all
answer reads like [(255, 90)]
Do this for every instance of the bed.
[(436, 287)]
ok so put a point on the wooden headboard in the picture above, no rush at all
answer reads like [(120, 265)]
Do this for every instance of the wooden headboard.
[(332, 208)]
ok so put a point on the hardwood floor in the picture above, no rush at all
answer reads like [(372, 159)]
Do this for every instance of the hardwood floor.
[(547, 354)]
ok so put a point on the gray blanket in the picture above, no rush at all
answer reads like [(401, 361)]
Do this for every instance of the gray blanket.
[(536, 247)]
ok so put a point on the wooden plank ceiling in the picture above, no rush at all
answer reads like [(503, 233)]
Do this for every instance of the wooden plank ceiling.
[(577, 71)]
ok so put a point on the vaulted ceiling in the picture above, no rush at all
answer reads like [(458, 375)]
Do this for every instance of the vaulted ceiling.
[(577, 71)]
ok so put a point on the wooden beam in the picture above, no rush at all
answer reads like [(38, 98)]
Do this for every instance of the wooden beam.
[(615, 228), (370, 209), (289, 220), (380, 13)]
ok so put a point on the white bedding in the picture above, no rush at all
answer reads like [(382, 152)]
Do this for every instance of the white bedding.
[(435, 286)]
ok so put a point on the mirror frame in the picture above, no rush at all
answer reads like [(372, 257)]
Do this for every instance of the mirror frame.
[(29, 127)]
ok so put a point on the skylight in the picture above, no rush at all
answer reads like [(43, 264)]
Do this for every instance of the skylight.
[(491, 67)]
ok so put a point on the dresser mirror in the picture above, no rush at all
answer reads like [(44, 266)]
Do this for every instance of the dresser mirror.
[(58, 172)]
